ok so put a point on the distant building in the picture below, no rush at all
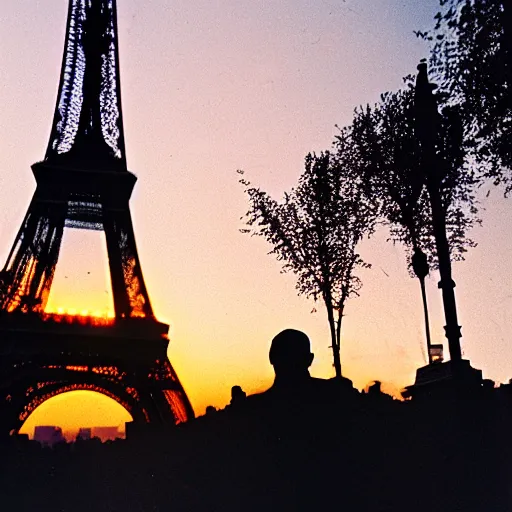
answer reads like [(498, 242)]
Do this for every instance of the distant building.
[(106, 433), (48, 435), (102, 433), (84, 434)]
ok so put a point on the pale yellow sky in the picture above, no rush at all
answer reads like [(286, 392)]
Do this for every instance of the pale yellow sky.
[(210, 87)]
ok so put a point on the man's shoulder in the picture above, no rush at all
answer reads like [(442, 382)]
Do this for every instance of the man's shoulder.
[(334, 383), (259, 400), (334, 388)]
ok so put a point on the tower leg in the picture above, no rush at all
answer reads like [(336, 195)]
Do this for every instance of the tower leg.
[(130, 295), (29, 271)]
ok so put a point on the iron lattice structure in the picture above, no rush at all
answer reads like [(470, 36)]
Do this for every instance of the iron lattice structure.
[(83, 182)]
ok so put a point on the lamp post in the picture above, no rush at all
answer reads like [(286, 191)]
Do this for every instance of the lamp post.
[(420, 267), (427, 128)]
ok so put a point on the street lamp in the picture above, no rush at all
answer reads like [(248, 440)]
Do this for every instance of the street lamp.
[(420, 268), (427, 131)]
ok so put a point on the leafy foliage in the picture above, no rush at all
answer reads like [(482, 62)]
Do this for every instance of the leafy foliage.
[(314, 232), (381, 152), (471, 60)]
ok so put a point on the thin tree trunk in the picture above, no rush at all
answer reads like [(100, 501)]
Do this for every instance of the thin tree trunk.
[(341, 309), (425, 313), (334, 344), (338, 326)]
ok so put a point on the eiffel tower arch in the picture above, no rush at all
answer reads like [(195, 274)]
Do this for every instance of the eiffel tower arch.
[(83, 183)]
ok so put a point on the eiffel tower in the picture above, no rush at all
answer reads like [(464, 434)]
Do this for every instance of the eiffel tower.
[(83, 182)]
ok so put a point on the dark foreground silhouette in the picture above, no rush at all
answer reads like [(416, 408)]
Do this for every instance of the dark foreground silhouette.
[(304, 444)]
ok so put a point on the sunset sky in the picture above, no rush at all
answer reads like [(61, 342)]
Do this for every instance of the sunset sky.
[(209, 87)]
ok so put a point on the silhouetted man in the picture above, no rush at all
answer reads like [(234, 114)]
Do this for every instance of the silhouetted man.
[(290, 355), (291, 358), (298, 414), (298, 405)]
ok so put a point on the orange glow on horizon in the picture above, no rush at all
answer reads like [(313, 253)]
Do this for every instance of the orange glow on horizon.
[(61, 311), (82, 319), (77, 409)]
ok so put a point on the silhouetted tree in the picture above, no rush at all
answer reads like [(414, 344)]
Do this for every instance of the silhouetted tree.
[(315, 232), (380, 151), (410, 159), (471, 60)]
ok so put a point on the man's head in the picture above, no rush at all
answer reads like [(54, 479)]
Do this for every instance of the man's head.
[(290, 354)]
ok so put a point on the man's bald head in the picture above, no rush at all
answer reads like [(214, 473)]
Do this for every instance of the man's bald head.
[(290, 353)]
